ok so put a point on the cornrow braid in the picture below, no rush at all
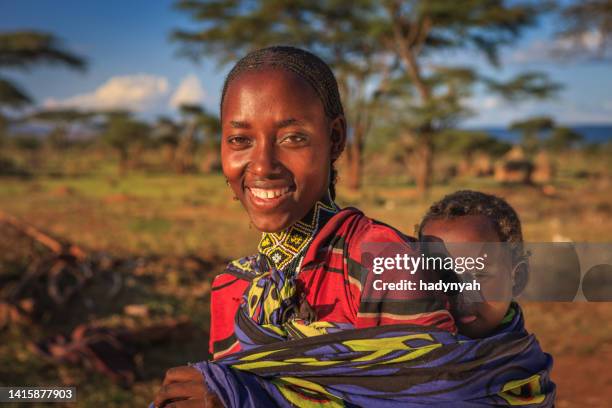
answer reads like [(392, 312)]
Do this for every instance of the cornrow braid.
[(302, 63), (468, 202)]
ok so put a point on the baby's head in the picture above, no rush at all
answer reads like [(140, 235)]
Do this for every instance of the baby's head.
[(471, 216)]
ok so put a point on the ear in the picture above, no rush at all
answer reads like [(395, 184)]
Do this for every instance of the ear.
[(520, 277), (338, 137)]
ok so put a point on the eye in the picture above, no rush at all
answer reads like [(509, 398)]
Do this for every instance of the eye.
[(239, 141), (294, 139), (481, 275)]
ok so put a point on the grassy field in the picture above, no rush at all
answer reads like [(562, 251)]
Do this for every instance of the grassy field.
[(155, 225)]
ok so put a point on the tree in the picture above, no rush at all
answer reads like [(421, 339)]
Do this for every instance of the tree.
[(165, 133), (374, 46), (337, 31), (62, 119), (23, 49), (3, 127), (197, 120), (563, 138), (187, 141), (419, 29), (532, 130), (122, 133), (210, 126), (30, 146), (468, 142)]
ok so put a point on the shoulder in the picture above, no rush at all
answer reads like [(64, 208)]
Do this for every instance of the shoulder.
[(371, 231), (378, 231), (232, 281)]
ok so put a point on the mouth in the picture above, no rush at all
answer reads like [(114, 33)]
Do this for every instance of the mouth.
[(468, 319), (465, 312), (269, 198)]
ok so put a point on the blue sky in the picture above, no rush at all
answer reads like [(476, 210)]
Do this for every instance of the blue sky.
[(132, 62)]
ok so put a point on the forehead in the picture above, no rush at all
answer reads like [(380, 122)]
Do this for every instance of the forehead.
[(467, 228), (270, 90)]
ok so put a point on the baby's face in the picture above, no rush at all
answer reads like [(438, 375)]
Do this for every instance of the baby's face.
[(474, 319)]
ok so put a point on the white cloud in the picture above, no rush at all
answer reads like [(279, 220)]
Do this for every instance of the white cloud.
[(565, 112), (491, 102), (132, 92), (590, 44), (189, 91), (590, 41), (480, 102)]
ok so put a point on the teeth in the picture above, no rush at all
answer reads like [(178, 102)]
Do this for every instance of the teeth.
[(269, 193)]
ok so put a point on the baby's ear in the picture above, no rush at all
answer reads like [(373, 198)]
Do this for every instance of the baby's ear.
[(520, 277)]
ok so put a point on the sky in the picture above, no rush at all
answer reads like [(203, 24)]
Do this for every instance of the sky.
[(132, 64)]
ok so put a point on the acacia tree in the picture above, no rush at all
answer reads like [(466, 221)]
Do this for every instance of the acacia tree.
[(62, 120), (165, 134), (210, 127), (197, 121), (416, 31), (532, 130), (22, 50), (187, 139), (337, 31), (122, 133), (563, 138), (379, 48)]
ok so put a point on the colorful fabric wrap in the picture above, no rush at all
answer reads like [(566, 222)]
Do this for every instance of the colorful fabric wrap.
[(289, 360)]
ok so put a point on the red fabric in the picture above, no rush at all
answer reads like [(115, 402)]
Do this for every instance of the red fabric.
[(330, 275)]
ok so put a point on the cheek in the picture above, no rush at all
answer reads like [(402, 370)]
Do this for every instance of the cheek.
[(310, 165), (311, 173), (495, 311), (232, 163)]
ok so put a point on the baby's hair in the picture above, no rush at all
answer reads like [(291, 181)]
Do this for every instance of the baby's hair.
[(468, 202), (302, 63)]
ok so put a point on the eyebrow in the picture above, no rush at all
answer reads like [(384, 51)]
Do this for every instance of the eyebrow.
[(239, 125), (287, 122), (280, 124)]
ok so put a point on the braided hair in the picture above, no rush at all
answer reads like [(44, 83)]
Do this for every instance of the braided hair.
[(302, 63)]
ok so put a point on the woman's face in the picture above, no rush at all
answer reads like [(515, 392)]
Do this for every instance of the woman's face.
[(277, 146)]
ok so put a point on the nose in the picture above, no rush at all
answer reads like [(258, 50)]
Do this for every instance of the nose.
[(264, 162)]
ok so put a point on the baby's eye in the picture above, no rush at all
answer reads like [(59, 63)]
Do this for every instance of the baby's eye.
[(481, 275)]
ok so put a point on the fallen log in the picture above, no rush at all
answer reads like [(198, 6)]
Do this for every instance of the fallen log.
[(53, 244)]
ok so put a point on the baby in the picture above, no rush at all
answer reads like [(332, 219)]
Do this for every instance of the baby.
[(467, 217)]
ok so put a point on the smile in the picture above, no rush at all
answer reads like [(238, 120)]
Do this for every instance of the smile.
[(269, 199), (265, 193)]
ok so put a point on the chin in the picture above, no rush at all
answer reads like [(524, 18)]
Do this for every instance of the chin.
[(271, 223), (472, 332)]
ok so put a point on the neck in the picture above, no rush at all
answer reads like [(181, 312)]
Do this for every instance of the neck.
[(286, 248)]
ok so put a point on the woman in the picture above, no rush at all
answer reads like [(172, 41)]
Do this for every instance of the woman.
[(283, 128)]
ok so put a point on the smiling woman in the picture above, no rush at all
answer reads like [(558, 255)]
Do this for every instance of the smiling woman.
[(283, 128)]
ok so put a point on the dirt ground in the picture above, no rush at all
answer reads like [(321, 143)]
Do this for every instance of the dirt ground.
[(579, 337), (173, 235)]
